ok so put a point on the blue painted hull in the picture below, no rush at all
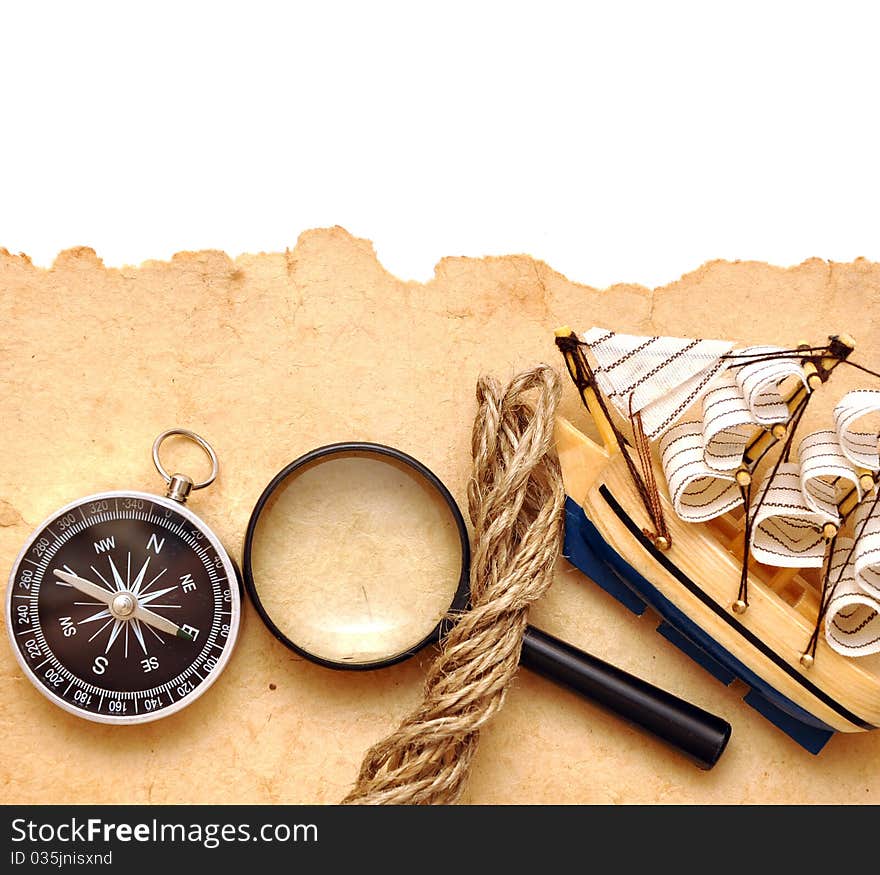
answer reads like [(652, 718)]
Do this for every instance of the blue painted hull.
[(587, 550)]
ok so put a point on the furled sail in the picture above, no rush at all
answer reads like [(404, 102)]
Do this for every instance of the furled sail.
[(742, 397), (827, 475), (866, 557), (759, 379), (727, 423), (852, 619), (786, 530), (658, 377), (861, 447), (698, 492), (713, 410)]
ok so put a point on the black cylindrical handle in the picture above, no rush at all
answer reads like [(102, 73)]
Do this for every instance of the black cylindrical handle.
[(699, 735)]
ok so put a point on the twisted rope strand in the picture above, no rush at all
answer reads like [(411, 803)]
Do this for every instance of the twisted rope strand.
[(515, 500)]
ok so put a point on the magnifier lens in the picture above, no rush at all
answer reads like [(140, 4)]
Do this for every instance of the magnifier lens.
[(356, 558)]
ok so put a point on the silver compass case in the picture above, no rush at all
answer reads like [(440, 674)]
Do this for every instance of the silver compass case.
[(123, 607)]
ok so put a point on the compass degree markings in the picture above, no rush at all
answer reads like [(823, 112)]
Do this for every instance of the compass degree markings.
[(111, 578)]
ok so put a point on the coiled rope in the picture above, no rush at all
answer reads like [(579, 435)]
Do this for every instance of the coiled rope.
[(515, 502)]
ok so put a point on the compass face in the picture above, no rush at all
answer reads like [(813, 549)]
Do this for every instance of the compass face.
[(123, 607)]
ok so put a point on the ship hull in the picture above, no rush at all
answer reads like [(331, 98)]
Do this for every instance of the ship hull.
[(692, 587)]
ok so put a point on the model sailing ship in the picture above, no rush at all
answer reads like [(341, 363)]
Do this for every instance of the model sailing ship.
[(758, 546)]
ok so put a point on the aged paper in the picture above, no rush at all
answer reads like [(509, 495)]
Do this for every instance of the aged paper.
[(270, 355)]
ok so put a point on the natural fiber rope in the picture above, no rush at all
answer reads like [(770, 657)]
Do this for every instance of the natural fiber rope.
[(515, 500)]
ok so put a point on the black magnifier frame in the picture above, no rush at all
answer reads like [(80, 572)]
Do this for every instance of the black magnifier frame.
[(699, 735), (349, 448)]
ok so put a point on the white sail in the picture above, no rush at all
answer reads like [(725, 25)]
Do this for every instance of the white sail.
[(827, 475), (786, 531), (759, 380), (658, 377), (861, 447), (742, 397), (866, 558), (727, 423), (852, 619), (698, 493)]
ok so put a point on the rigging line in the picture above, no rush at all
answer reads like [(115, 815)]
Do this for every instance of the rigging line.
[(643, 447), (582, 375), (824, 600), (860, 367), (777, 358), (858, 537), (743, 594), (773, 354), (830, 368)]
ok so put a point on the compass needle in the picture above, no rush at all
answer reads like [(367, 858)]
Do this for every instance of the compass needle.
[(145, 615), (85, 586)]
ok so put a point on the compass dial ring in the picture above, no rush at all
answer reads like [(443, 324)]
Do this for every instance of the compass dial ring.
[(123, 607)]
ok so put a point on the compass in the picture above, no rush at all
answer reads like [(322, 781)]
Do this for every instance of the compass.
[(123, 607)]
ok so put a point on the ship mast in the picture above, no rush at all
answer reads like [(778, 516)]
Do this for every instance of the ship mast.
[(840, 346), (573, 360)]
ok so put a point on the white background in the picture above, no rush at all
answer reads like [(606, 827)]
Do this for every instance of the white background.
[(618, 141)]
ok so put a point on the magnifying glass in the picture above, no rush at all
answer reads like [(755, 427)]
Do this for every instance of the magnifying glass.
[(356, 556)]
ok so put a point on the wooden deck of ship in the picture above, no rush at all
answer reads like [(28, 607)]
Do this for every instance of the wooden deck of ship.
[(783, 603)]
